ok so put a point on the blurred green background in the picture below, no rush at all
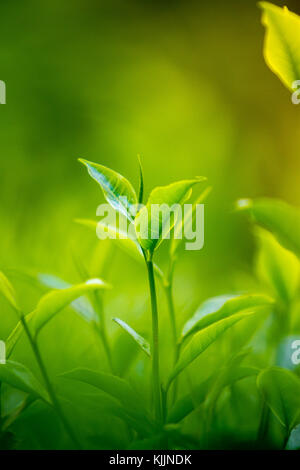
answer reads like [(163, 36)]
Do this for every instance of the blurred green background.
[(184, 84)]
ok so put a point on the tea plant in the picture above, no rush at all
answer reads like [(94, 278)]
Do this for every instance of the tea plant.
[(230, 382)]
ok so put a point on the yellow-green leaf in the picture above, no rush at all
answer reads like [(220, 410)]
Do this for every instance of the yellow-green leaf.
[(280, 218), (218, 308), (8, 291), (282, 42), (21, 378), (142, 343), (117, 190), (154, 221), (202, 340), (277, 267)]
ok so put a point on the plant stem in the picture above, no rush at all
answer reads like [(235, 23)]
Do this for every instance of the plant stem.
[(155, 342), (171, 309), (50, 389), (101, 329)]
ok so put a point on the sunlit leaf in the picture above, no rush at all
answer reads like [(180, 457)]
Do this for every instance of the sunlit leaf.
[(202, 340), (141, 188), (281, 390), (15, 335), (117, 190), (277, 267), (154, 221), (54, 301), (278, 217), (142, 343), (282, 42), (8, 291), (81, 305), (218, 308), (21, 378)]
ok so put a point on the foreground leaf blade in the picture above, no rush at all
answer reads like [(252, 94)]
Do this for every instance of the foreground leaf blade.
[(282, 42), (154, 221), (141, 342), (53, 302), (218, 308), (202, 340), (21, 378)]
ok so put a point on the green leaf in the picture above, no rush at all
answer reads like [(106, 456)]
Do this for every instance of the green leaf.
[(154, 221), (8, 291), (281, 390), (81, 305), (15, 335), (117, 190), (114, 387), (218, 308), (50, 305), (21, 378), (142, 343), (277, 267), (202, 340), (55, 301), (185, 405), (141, 188), (188, 218), (278, 217), (282, 42)]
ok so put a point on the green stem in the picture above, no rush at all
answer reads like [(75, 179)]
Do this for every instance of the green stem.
[(101, 329), (50, 389), (171, 309), (155, 342)]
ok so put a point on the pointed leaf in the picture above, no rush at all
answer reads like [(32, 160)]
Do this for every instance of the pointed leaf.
[(8, 291), (18, 376), (53, 302), (202, 340), (282, 42), (81, 305), (142, 343), (117, 190), (281, 390), (154, 221), (15, 335), (218, 308), (141, 188), (113, 386), (277, 267)]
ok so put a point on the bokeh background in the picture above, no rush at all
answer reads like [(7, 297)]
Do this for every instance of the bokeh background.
[(183, 84)]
